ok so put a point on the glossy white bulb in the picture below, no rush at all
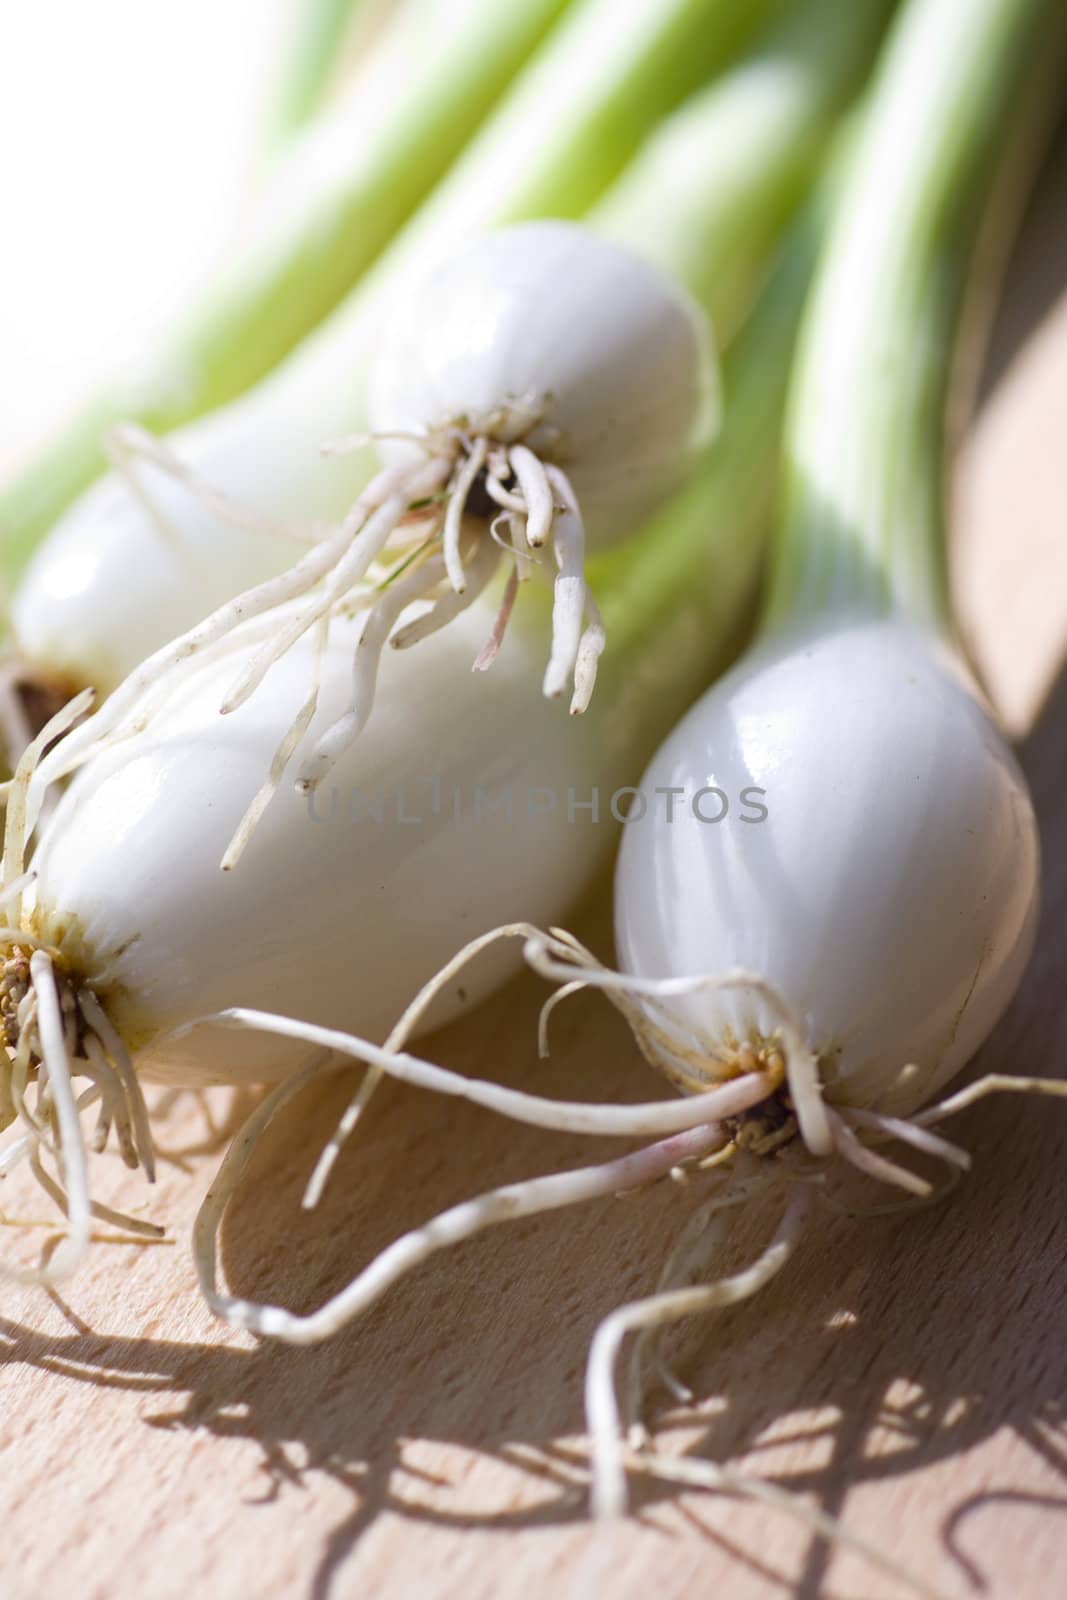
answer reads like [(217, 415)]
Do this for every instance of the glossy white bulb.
[(614, 356), (889, 895), (438, 823), (125, 570)]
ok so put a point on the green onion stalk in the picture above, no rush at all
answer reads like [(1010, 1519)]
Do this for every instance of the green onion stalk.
[(317, 46), (914, 251)]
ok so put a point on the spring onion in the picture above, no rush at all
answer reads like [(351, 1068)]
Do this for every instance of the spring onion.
[(765, 121)]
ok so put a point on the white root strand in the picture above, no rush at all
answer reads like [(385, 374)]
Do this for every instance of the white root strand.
[(515, 544), (602, 1413), (564, 992), (11, 891), (451, 604), (280, 761), (381, 619), (569, 590), (590, 649), (346, 1126), (689, 1067), (54, 1055), (322, 559), (127, 444), (908, 1133), (656, 1118), (875, 1166), (18, 820), (101, 1213), (457, 505), (101, 1024), (350, 442), (505, 498), (399, 1036), (536, 494), (491, 648), (505, 1204), (360, 545), (114, 1107), (689, 1261), (992, 1083), (402, 1031)]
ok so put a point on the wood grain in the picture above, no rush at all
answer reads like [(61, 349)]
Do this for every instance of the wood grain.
[(907, 1374)]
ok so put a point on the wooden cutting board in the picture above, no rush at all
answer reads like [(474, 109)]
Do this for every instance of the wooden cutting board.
[(907, 1375)]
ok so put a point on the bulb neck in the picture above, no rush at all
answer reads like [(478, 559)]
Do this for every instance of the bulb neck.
[(869, 407)]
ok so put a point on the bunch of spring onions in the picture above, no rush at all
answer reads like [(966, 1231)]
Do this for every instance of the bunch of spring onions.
[(533, 394), (810, 983), (126, 920)]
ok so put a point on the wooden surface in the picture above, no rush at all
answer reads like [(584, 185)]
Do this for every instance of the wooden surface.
[(906, 1374)]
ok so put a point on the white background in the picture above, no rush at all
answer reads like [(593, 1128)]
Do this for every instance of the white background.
[(129, 131)]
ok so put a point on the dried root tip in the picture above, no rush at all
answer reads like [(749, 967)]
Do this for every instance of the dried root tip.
[(491, 648)]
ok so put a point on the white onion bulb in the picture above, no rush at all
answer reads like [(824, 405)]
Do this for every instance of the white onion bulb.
[(340, 908), (539, 377), (603, 363), (888, 898)]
